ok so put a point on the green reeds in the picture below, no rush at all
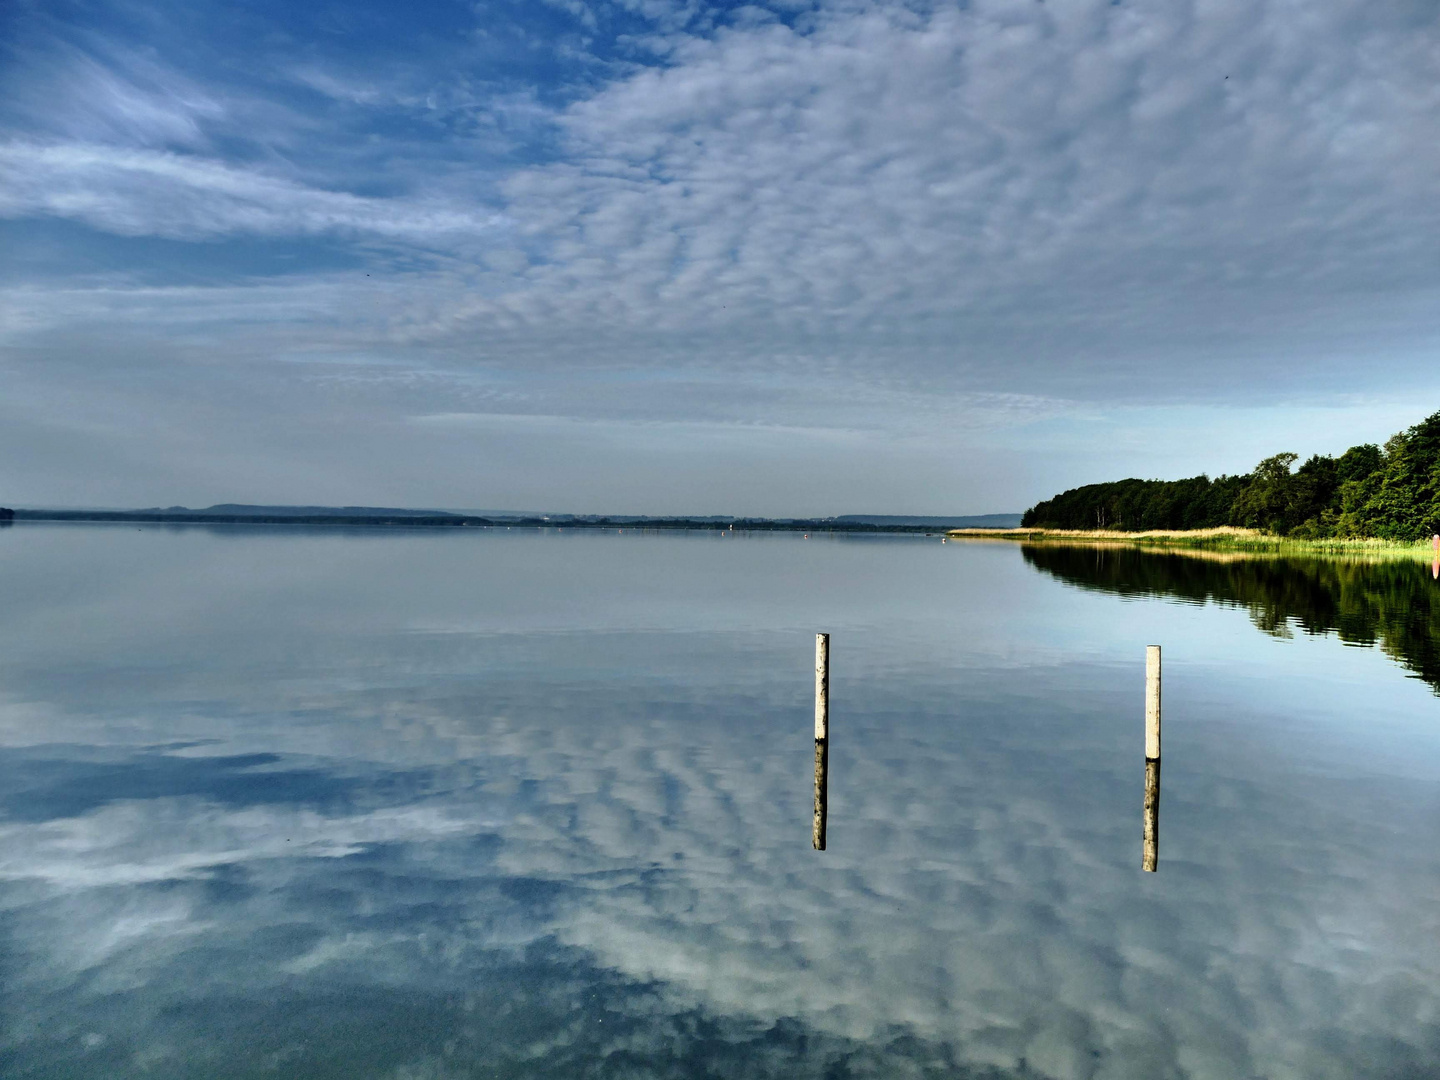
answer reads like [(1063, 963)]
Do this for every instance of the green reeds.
[(1218, 540)]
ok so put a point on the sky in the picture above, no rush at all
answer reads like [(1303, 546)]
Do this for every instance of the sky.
[(669, 256)]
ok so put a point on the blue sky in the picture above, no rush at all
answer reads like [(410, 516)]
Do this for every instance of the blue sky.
[(655, 256)]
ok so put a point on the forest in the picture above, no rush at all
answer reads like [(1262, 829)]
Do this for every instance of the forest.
[(1390, 492)]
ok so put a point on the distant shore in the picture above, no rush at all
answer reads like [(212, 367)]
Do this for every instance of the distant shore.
[(442, 520), (1225, 538)]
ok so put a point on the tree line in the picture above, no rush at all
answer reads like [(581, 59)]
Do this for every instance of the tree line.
[(1391, 492)]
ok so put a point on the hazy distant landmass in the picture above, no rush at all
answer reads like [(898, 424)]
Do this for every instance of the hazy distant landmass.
[(250, 509), (974, 521), (260, 514)]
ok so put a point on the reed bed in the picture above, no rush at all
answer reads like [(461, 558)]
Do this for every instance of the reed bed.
[(1225, 539)]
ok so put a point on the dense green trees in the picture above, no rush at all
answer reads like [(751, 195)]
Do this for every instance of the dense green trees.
[(1392, 493), (1196, 503)]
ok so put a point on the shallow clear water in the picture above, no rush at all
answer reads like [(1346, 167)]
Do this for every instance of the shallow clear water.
[(331, 803)]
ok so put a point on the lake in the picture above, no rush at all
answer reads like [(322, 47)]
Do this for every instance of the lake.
[(320, 802)]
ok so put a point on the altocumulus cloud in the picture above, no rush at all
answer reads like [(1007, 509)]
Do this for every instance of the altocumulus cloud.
[(1086, 205)]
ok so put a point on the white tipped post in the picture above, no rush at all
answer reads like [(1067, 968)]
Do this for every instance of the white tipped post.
[(1152, 702), (822, 737), (1150, 839)]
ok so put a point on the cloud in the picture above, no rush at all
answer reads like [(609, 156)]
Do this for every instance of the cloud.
[(1085, 169), (1083, 165), (863, 215), (147, 193), (100, 90)]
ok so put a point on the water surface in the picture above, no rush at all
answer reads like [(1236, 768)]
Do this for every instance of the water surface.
[(348, 803)]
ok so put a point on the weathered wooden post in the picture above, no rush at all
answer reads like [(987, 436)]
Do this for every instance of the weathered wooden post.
[(1150, 843), (822, 736)]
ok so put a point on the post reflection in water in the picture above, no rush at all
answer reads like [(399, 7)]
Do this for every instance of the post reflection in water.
[(1150, 838), (822, 740)]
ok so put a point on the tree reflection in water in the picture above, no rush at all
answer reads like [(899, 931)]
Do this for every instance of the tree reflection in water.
[(1393, 603)]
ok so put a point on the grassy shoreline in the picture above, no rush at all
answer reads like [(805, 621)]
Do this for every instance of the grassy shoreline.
[(1223, 539)]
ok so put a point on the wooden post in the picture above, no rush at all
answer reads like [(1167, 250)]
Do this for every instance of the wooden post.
[(1150, 841), (822, 736)]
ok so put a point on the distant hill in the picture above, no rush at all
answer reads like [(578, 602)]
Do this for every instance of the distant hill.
[(250, 510), (981, 521), (262, 514), (974, 521)]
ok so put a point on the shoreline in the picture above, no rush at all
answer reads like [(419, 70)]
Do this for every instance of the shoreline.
[(1225, 539), (454, 521)]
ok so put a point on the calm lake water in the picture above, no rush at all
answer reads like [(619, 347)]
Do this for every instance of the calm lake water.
[(331, 803)]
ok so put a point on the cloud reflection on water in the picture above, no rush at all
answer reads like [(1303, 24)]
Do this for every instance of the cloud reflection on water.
[(406, 854)]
